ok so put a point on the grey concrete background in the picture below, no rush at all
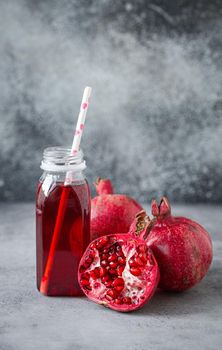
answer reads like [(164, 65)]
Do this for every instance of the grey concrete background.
[(154, 124), (30, 321)]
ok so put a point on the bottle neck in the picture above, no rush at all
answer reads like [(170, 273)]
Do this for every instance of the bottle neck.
[(59, 160)]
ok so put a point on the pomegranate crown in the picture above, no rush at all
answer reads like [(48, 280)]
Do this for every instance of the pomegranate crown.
[(103, 186), (161, 210)]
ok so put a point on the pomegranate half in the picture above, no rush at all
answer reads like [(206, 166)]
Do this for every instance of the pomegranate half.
[(182, 248), (119, 270), (111, 213)]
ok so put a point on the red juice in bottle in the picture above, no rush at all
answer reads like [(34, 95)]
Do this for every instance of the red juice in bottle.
[(74, 233)]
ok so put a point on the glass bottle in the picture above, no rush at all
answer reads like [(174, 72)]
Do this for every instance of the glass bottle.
[(62, 187)]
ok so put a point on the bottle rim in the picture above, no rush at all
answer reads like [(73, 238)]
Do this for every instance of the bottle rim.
[(60, 159)]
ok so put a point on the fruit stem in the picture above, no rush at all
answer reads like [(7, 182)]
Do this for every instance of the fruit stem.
[(103, 186)]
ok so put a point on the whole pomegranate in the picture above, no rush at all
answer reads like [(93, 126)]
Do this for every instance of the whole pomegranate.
[(182, 248), (119, 270), (111, 213)]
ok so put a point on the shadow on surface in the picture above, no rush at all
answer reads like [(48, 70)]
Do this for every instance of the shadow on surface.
[(201, 299)]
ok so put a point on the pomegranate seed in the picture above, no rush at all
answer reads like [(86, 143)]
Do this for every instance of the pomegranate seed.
[(88, 260), (112, 257), (113, 264), (82, 268), (118, 282), (93, 245), (120, 270), (101, 242), (119, 288), (92, 254), (104, 257), (86, 265), (132, 263), (118, 301), (104, 240), (135, 271), (104, 263), (142, 257), (111, 252), (105, 279), (103, 272), (85, 276), (142, 248), (95, 273), (127, 300), (97, 269), (84, 282), (113, 272), (112, 294), (120, 253), (121, 260), (108, 284), (139, 261)]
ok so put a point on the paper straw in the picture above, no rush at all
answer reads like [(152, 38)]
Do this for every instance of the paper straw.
[(65, 193), (79, 128), (81, 120)]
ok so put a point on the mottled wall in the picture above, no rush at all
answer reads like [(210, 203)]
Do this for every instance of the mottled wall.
[(155, 121)]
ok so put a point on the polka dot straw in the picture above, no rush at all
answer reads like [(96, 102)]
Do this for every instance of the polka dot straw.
[(79, 128), (81, 120)]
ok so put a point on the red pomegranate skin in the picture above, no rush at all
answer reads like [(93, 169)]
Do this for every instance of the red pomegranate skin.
[(111, 213), (182, 248)]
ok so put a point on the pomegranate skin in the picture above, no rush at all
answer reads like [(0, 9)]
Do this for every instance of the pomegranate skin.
[(111, 213), (182, 248)]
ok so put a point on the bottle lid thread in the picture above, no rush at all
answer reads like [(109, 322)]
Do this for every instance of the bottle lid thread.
[(58, 159)]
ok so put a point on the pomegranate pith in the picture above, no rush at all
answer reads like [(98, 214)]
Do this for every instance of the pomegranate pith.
[(119, 270), (182, 248), (111, 213)]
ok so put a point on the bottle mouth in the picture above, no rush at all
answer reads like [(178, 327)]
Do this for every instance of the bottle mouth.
[(60, 159)]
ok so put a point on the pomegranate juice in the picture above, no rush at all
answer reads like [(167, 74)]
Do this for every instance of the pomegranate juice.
[(73, 238)]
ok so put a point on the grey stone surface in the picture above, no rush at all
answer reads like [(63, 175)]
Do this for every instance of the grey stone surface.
[(30, 321)]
